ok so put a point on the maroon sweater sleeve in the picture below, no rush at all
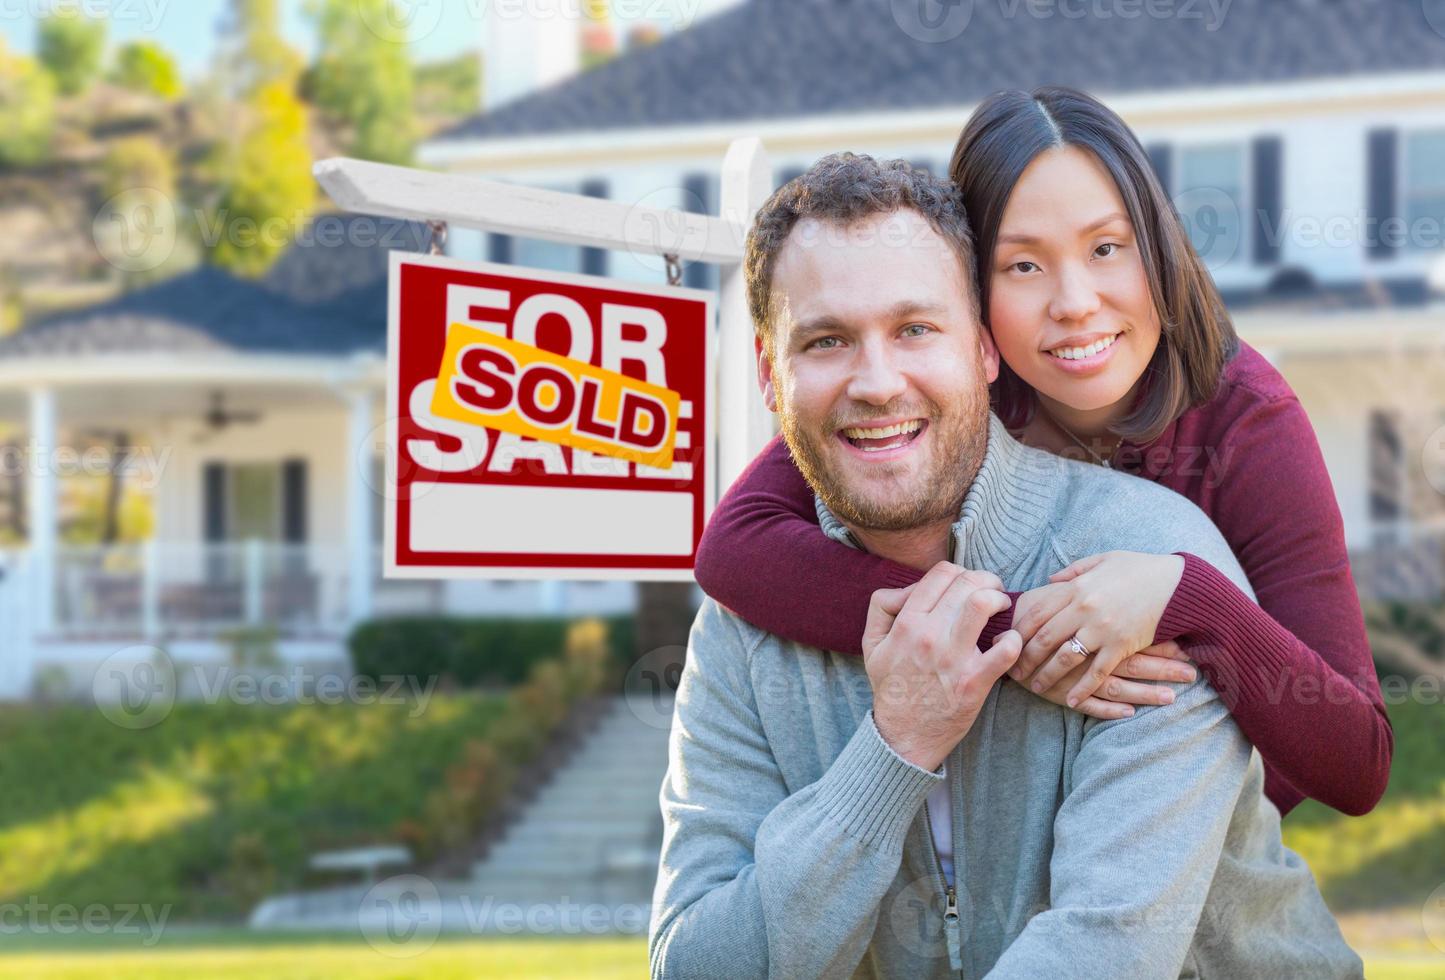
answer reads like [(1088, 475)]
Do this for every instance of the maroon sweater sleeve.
[(763, 557), (1295, 670)]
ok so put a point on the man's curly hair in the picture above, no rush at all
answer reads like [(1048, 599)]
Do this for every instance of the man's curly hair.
[(840, 190)]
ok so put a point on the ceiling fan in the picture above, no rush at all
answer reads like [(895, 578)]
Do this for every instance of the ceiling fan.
[(218, 417)]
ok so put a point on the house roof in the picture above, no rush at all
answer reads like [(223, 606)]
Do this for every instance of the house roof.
[(788, 58), (325, 295)]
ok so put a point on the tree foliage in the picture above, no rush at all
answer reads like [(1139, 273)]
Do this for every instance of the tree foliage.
[(269, 188), (362, 78), (257, 54), (266, 188), (449, 88), (144, 66), (27, 110), (71, 48)]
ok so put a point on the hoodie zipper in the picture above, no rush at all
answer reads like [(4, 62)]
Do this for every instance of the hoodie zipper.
[(951, 927)]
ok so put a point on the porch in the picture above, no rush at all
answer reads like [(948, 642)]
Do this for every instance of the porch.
[(260, 478)]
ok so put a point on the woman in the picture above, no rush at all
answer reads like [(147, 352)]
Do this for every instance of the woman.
[(1117, 349)]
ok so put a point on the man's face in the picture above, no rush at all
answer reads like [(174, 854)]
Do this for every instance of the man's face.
[(879, 369)]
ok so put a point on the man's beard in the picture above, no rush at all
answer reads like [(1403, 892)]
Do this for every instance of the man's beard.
[(960, 433)]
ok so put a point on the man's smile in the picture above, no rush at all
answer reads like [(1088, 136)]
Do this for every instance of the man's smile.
[(883, 439)]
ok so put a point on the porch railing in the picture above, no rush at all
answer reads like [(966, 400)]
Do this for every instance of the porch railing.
[(1405, 565), (154, 589)]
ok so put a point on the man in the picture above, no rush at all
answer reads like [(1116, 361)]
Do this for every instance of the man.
[(797, 840)]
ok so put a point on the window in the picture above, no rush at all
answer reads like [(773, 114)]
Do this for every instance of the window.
[(255, 502), (1211, 200), (1423, 191)]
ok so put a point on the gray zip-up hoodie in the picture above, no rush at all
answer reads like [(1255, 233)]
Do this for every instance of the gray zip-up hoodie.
[(796, 841)]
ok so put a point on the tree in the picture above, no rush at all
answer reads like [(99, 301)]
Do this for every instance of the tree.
[(255, 53), (137, 161), (144, 66), (449, 88), (27, 110), (71, 47), (362, 78), (263, 175), (138, 188), (269, 188)]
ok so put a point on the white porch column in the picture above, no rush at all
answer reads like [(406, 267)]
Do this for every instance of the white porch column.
[(743, 422), (358, 505), (43, 492)]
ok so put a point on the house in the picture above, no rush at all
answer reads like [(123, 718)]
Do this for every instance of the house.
[(255, 414), (1303, 143)]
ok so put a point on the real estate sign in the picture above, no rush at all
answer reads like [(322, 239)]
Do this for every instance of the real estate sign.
[(544, 425)]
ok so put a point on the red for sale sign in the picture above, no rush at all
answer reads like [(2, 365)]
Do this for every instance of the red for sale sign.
[(544, 425)]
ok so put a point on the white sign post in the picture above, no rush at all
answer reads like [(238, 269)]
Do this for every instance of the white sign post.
[(481, 365)]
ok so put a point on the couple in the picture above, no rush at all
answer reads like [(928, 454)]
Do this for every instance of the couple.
[(1023, 774)]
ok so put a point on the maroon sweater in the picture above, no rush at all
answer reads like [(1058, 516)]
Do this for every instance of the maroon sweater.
[(1295, 670)]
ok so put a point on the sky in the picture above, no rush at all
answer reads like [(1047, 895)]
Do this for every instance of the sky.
[(188, 28)]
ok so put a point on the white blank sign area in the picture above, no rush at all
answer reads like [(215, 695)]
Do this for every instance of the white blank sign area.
[(456, 518)]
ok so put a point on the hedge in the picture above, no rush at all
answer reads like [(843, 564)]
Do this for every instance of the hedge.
[(473, 652)]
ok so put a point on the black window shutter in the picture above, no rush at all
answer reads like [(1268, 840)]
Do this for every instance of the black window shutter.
[(293, 501), (213, 501), (499, 248), (1383, 145), (698, 198), (1268, 236), (1161, 157), (594, 260)]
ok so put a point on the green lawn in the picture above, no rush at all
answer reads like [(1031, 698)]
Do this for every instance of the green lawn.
[(242, 956), (94, 813), (1395, 855), (217, 802)]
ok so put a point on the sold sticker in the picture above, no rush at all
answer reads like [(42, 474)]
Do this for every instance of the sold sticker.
[(502, 384)]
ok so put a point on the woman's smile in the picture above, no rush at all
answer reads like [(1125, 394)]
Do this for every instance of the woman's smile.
[(1084, 355)]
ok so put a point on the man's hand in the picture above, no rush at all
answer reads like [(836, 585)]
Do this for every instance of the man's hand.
[(920, 649)]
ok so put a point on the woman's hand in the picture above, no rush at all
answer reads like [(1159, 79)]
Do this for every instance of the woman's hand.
[(1112, 602)]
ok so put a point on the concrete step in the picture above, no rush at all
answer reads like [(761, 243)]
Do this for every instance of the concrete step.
[(629, 794), (573, 869), (568, 864), (592, 825)]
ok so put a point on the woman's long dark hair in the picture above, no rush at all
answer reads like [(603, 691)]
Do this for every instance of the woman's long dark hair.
[(1003, 136)]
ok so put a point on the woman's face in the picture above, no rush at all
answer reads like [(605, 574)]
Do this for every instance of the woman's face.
[(1069, 302)]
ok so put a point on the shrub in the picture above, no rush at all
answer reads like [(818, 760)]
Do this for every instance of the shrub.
[(477, 652)]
